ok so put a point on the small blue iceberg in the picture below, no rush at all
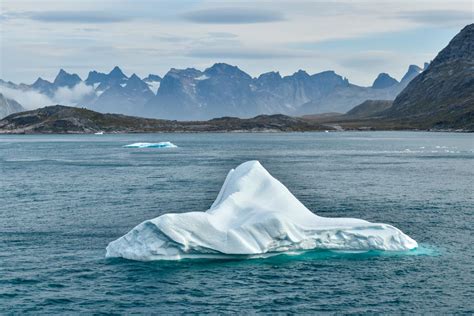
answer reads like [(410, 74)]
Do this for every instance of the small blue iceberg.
[(151, 145)]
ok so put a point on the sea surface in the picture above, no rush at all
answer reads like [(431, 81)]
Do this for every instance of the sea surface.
[(64, 198)]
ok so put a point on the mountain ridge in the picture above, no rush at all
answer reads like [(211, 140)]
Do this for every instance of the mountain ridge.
[(219, 90)]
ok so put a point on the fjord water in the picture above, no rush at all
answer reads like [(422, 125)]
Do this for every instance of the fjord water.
[(64, 198)]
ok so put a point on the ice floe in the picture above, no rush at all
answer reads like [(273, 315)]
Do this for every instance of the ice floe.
[(253, 215), (151, 145)]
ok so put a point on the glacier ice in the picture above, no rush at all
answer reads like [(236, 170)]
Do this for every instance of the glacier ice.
[(151, 145), (253, 214)]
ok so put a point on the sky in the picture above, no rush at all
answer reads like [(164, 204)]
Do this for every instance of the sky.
[(357, 39)]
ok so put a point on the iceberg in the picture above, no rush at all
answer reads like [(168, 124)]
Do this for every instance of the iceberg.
[(151, 145), (253, 215)]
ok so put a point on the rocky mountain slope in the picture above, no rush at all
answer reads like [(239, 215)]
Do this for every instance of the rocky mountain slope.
[(443, 95), (369, 108)]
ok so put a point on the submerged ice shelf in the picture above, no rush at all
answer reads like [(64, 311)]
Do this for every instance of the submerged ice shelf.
[(253, 214), (151, 145)]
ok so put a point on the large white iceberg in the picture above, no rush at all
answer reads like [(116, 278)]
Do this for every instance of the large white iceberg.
[(253, 215), (151, 145)]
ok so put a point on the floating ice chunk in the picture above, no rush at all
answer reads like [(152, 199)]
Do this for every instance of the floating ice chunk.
[(253, 215), (151, 145)]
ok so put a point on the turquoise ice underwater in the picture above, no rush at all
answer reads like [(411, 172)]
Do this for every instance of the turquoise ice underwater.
[(67, 197)]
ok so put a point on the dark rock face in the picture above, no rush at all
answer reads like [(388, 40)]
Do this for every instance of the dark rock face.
[(383, 81), (442, 96), (113, 78), (9, 106)]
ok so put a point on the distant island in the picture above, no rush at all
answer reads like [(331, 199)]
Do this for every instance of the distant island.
[(440, 98)]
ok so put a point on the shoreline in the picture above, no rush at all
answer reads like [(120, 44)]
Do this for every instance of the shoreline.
[(458, 131)]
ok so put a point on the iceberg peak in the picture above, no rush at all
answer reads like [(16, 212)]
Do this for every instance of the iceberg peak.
[(253, 214)]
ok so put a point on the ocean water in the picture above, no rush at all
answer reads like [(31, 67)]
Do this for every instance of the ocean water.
[(64, 198)]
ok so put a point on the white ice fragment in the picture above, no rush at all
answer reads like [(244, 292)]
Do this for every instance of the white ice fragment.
[(151, 145), (253, 215)]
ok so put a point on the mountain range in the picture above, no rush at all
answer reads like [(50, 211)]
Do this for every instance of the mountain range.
[(220, 90), (440, 98)]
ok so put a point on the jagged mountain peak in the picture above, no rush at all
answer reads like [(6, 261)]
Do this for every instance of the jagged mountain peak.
[(134, 77), (329, 75), (95, 77), (135, 83), (43, 86), (413, 68), (65, 79), (412, 72), (175, 74), (301, 74), (383, 81), (152, 77), (117, 73), (269, 78), (40, 81), (223, 69), (270, 74)]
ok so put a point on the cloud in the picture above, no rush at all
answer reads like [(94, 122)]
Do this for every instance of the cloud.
[(74, 95), (439, 17), (370, 59), (233, 16), (241, 53), (222, 35), (30, 99), (75, 17)]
